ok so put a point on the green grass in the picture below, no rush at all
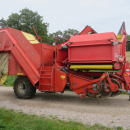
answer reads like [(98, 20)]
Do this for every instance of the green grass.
[(10, 80), (10, 120), (124, 93)]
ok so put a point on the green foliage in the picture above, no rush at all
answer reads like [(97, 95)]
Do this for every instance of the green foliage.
[(10, 80), (3, 23), (58, 33), (10, 120), (14, 21), (50, 39), (70, 32), (128, 44), (24, 22), (124, 93), (65, 34), (119, 128)]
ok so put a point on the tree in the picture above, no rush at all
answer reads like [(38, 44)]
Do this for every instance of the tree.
[(24, 22), (65, 34), (14, 21), (50, 39), (3, 23), (128, 44), (70, 32)]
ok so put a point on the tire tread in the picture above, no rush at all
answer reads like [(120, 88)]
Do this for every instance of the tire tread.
[(30, 89)]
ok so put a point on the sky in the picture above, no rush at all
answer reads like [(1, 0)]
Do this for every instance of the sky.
[(101, 15)]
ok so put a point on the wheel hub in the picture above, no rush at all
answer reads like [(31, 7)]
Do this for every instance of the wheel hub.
[(21, 87), (95, 87)]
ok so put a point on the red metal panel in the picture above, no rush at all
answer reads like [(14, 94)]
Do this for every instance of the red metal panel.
[(37, 47), (94, 48), (93, 37), (90, 53), (60, 80), (14, 67), (27, 47), (5, 43), (47, 54), (115, 52), (60, 57), (87, 30), (23, 54), (22, 61)]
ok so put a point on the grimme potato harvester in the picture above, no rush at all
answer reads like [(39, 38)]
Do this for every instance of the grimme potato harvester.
[(89, 63)]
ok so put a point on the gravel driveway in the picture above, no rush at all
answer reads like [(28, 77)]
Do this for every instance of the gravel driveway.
[(114, 111)]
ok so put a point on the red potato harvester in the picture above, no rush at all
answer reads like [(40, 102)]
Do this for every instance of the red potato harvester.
[(89, 63)]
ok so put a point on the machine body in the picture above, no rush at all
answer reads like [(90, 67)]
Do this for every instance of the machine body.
[(90, 63)]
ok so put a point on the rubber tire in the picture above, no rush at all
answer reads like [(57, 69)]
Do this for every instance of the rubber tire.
[(30, 89)]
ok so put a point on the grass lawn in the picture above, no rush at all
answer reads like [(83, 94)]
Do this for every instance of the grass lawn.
[(10, 120), (10, 80)]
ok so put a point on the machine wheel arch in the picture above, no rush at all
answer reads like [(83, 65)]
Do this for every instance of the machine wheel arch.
[(23, 88)]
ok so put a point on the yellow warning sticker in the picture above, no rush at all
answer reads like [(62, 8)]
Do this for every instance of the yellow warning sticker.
[(103, 76), (62, 77), (19, 73), (125, 74)]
